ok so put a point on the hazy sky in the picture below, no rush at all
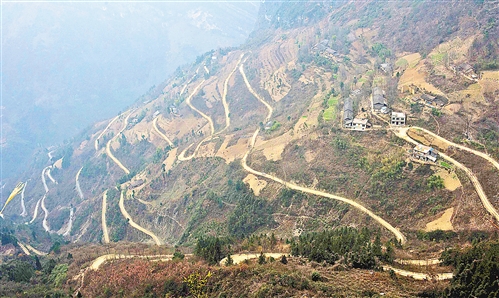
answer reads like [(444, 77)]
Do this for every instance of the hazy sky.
[(66, 65)]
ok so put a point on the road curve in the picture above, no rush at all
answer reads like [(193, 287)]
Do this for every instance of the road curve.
[(134, 224), (46, 214), (43, 179), (384, 223), (96, 143), (108, 146), (23, 206), (269, 115), (478, 153), (35, 213), (78, 188), (155, 125), (105, 233), (36, 251), (70, 222), (224, 94), (402, 133), (50, 175), (188, 101)]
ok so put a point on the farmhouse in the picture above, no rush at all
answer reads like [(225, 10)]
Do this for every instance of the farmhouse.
[(136, 183), (386, 68), (379, 101), (348, 112), (360, 124), (397, 119), (424, 153)]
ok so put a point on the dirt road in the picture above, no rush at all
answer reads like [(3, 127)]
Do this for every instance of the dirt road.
[(35, 213), (96, 143), (402, 133), (43, 179), (105, 233), (45, 223), (271, 110), (50, 175), (70, 222), (77, 180), (419, 276), (418, 262), (133, 224), (238, 258), (478, 153), (108, 146), (155, 125), (23, 206), (188, 101), (224, 94)]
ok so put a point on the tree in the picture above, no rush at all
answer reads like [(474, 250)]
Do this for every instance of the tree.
[(229, 261), (261, 259), (284, 260)]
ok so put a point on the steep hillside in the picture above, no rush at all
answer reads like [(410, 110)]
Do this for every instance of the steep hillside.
[(292, 133)]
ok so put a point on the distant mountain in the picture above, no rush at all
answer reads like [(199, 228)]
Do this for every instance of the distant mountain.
[(66, 65)]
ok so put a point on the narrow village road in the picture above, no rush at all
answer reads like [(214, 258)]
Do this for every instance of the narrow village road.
[(155, 126), (105, 233), (96, 143), (108, 146), (478, 153), (402, 133), (134, 224)]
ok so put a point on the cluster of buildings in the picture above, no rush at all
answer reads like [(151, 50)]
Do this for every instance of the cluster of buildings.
[(323, 48), (349, 121), (465, 70)]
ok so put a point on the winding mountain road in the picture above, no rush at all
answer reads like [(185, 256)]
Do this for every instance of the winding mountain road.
[(108, 145), (35, 213), (77, 181), (45, 224), (402, 133), (134, 224), (269, 107), (24, 213), (155, 126), (50, 175), (182, 156), (188, 101), (43, 179), (96, 143), (478, 153), (358, 206)]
